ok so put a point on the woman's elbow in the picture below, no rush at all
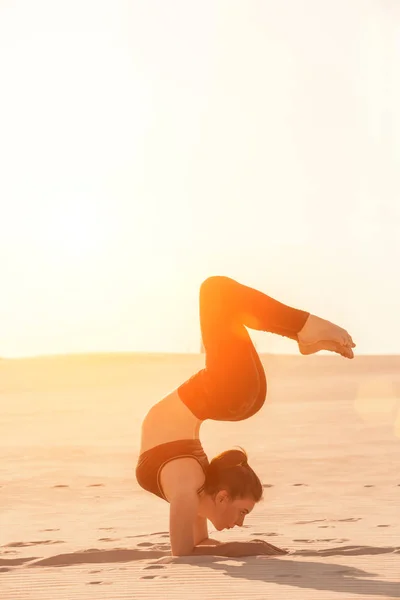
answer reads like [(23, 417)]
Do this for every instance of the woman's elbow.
[(179, 552)]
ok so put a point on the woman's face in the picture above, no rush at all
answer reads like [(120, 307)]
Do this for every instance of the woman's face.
[(228, 512)]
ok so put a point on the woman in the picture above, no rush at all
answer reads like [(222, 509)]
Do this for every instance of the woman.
[(232, 387)]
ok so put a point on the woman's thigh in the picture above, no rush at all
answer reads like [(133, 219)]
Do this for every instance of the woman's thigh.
[(234, 372)]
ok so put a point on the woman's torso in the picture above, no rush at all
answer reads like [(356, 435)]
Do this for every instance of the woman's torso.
[(167, 421)]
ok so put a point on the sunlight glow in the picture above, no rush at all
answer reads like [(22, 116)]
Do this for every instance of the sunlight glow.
[(69, 228), (148, 145)]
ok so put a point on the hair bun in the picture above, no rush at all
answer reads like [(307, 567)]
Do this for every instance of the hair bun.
[(231, 458), (226, 472)]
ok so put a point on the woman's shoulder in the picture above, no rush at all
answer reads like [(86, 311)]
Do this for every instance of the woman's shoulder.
[(183, 475)]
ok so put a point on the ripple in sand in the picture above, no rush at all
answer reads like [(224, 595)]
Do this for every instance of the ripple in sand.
[(35, 543), (159, 533), (336, 540), (349, 551), (307, 522), (16, 562), (93, 555), (314, 541)]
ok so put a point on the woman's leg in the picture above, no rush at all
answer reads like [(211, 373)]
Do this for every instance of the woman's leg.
[(232, 386)]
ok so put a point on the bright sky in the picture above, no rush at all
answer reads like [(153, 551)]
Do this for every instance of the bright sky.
[(145, 145)]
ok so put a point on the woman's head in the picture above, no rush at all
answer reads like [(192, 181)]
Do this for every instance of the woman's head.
[(232, 488)]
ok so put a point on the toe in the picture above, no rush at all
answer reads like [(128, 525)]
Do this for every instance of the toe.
[(349, 343), (349, 353)]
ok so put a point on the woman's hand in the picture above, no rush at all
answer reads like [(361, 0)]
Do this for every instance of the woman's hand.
[(268, 549), (253, 548)]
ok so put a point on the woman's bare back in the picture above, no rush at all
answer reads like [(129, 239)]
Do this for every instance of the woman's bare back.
[(167, 421)]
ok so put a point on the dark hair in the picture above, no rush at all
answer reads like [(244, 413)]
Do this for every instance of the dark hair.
[(230, 471)]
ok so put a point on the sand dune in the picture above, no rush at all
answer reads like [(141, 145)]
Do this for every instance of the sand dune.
[(75, 524)]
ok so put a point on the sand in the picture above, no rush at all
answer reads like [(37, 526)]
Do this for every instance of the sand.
[(75, 524)]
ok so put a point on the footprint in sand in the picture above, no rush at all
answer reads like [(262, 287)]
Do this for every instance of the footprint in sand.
[(145, 544)]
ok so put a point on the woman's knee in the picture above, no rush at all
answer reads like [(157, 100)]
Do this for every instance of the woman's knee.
[(214, 284)]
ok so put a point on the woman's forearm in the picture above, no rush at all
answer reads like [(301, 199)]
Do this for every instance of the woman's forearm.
[(208, 542), (229, 549)]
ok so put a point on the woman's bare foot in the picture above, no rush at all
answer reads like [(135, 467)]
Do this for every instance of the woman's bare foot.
[(326, 345), (319, 334)]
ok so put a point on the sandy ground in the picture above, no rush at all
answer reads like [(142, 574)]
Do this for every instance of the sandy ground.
[(74, 523)]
